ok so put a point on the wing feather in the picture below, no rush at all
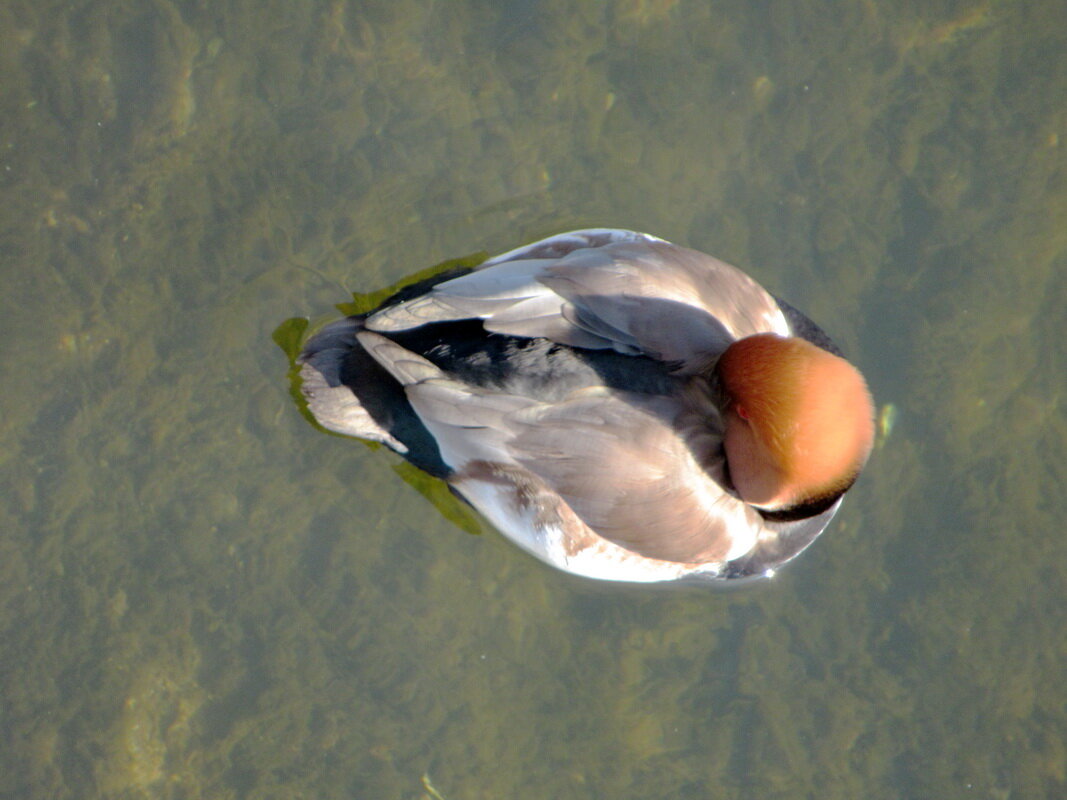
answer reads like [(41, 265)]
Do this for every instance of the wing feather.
[(615, 459), (629, 476), (601, 289)]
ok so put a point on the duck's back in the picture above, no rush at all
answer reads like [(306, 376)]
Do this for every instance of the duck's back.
[(553, 387)]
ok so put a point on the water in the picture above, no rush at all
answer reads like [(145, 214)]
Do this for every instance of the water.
[(203, 595)]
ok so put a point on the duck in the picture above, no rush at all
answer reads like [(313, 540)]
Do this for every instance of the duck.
[(621, 407)]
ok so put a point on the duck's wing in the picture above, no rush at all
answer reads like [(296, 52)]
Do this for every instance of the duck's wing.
[(467, 423), (333, 403), (603, 289), (609, 460), (629, 476)]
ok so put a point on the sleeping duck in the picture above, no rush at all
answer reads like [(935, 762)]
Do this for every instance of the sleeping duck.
[(621, 407)]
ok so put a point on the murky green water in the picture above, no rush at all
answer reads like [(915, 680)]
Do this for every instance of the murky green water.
[(203, 596)]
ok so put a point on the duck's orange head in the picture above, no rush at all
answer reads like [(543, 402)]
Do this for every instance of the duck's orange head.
[(799, 421)]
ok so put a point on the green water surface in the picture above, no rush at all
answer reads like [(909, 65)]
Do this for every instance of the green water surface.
[(204, 596)]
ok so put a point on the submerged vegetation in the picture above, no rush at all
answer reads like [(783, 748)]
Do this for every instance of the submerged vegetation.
[(201, 595)]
